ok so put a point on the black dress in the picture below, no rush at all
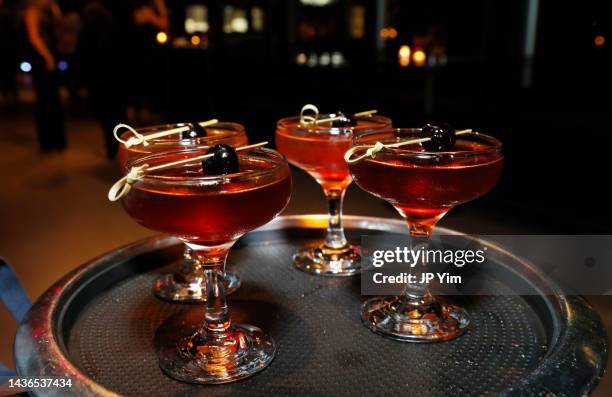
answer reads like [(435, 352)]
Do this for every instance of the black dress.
[(49, 113)]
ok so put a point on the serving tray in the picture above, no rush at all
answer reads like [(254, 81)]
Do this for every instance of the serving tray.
[(98, 325)]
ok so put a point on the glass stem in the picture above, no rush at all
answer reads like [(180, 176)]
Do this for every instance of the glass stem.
[(418, 293), (334, 237), (212, 259)]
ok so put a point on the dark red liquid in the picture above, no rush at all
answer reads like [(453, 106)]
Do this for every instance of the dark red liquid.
[(321, 152), (424, 189), (209, 215)]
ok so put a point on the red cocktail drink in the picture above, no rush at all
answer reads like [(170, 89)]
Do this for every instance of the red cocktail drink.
[(205, 214), (318, 146), (209, 210), (188, 283), (319, 149), (423, 186)]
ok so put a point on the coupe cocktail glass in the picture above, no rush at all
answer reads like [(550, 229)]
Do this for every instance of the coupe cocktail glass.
[(423, 186), (232, 134), (318, 148), (188, 283), (209, 213)]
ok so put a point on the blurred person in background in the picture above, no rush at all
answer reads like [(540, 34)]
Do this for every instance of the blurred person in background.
[(148, 18), (39, 17), (102, 63)]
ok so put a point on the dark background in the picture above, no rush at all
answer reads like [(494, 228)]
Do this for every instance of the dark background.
[(555, 125), (555, 128)]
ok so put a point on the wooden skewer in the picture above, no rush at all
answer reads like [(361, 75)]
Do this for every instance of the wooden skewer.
[(138, 138), (203, 157), (360, 114), (123, 185), (366, 113), (378, 146)]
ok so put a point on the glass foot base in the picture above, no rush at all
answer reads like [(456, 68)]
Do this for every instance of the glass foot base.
[(209, 358), (329, 262), (401, 319), (174, 288)]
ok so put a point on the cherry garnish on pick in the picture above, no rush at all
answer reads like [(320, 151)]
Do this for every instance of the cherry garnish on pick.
[(442, 137), (224, 160), (344, 121), (196, 131)]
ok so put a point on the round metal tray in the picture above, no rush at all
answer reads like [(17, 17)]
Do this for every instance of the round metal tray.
[(98, 323)]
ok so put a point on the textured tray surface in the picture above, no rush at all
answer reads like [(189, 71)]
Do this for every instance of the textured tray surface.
[(322, 347)]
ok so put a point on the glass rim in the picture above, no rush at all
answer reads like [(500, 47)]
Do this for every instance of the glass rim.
[(279, 159), (496, 144), (292, 123), (235, 130)]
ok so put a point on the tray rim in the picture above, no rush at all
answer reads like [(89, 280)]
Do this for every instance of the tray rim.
[(43, 353)]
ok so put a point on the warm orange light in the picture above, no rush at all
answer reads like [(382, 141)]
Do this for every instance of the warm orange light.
[(403, 56), (301, 59), (419, 57), (600, 40), (195, 40), (388, 33), (161, 37)]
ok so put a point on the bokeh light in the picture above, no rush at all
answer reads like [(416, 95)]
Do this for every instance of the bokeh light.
[(403, 55), (25, 66), (419, 58), (161, 37), (301, 58)]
